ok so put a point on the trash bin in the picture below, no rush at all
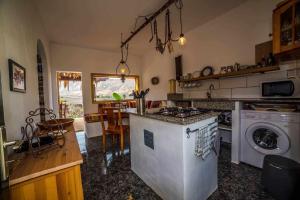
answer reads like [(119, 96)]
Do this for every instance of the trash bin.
[(281, 177)]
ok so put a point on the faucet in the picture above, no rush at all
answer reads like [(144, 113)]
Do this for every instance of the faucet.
[(208, 93)]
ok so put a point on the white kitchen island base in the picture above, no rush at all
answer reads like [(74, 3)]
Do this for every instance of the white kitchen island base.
[(171, 167)]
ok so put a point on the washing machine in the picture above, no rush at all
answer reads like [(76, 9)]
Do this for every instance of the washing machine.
[(269, 132)]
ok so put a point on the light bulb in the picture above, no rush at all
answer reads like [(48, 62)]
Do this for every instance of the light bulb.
[(182, 40), (122, 71), (122, 68)]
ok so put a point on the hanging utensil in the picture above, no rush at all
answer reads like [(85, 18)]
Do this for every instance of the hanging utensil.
[(147, 91), (168, 32), (152, 36), (159, 45)]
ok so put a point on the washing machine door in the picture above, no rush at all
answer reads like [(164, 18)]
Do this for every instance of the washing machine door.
[(267, 138)]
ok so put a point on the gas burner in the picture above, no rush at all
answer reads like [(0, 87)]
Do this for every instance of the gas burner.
[(181, 112)]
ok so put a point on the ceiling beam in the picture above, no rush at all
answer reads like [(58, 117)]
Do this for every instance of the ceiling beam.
[(148, 20)]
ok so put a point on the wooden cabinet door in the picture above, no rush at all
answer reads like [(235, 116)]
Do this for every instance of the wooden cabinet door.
[(62, 185), (286, 26), (283, 28)]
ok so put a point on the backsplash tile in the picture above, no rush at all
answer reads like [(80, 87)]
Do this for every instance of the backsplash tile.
[(257, 79), (251, 92), (223, 105), (233, 82), (221, 93), (186, 95)]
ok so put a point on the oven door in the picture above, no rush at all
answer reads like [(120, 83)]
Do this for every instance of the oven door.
[(267, 138)]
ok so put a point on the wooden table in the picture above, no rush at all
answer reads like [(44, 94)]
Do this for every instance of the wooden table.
[(55, 174), (95, 117)]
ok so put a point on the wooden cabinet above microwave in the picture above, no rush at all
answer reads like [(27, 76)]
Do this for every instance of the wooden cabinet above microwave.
[(286, 26)]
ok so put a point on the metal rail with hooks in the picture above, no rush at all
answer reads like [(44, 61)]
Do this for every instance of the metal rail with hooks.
[(149, 20)]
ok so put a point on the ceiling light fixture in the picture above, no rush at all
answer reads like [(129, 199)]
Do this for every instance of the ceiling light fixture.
[(122, 68), (182, 39)]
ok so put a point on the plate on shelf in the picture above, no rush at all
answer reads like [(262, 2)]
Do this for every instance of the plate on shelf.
[(196, 74), (207, 71)]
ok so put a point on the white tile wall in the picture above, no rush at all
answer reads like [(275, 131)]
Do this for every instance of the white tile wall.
[(255, 80), (251, 92), (233, 82), (186, 95), (205, 84), (221, 93), (244, 87)]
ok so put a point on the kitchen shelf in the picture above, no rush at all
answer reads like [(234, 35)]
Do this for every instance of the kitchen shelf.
[(234, 74)]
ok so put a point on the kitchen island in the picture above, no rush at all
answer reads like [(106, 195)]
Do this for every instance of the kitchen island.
[(163, 155)]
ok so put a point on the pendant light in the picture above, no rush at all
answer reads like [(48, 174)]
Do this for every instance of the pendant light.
[(123, 69), (182, 39)]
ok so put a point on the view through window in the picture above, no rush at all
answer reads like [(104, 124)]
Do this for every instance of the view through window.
[(104, 86), (70, 94)]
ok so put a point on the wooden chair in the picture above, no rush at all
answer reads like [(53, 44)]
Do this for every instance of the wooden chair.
[(114, 125), (63, 109), (132, 104), (155, 104)]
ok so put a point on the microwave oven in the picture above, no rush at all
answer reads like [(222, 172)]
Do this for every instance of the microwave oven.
[(281, 89)]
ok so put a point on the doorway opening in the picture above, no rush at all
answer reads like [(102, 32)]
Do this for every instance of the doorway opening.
[(70, 101)]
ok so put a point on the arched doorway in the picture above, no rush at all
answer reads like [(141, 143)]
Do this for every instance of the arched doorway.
[(42, 70)]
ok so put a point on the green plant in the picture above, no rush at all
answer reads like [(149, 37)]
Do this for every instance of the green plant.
[(117, 96)]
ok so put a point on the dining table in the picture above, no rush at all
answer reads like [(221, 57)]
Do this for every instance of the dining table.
[(95, 117)]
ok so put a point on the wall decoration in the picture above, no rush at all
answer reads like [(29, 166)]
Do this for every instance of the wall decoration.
[(196, 74), (223, 70), (155, 80), (17, 77), (207, 71), (230, 68), (237, 66)]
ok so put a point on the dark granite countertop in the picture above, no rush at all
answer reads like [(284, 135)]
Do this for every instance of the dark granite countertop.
[(269, 100), (180, 121)]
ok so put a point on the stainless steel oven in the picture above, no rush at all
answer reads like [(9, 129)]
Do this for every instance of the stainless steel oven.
[(281, 89)]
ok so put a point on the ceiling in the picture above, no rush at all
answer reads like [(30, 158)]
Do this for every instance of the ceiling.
[(97, 24)]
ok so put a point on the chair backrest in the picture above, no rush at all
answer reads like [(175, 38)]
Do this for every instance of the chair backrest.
[(148, 104), (132, 104), (155, 104), (63, 109), (113, 117), (103, 105)]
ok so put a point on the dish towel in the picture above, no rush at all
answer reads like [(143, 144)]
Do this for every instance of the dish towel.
[(205, 140)]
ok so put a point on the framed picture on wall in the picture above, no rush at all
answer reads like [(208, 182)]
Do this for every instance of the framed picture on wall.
[(17, 77)]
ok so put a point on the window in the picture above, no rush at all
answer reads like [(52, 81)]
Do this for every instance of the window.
[(104, 85)]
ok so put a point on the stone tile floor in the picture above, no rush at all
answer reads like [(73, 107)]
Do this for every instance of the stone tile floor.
[(107, 176)]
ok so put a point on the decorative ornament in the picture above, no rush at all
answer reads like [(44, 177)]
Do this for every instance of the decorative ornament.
[(155, 80)]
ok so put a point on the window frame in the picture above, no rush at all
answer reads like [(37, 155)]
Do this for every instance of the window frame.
[(96, 75)]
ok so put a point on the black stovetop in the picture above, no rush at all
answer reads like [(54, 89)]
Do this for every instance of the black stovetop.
[(181, 112)]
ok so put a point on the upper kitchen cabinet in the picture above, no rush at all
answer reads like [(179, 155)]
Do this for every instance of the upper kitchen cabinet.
[(286, 26)]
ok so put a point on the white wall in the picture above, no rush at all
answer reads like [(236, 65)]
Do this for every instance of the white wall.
[(87, 61), (20, 29), (223, 41)]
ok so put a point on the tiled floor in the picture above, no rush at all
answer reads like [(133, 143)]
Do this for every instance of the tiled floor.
[(108, 176)]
